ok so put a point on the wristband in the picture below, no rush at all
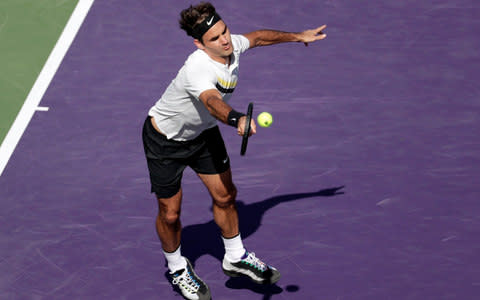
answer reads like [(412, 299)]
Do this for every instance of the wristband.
[(233, 117)]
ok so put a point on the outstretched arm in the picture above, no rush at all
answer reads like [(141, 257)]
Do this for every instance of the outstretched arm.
[(271, 37), (218, 108)]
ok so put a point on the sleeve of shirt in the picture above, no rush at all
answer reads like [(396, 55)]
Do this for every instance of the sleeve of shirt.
[(240, 43), (199, 78)]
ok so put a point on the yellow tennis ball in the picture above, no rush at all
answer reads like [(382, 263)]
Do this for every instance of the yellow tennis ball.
[(265, 119)]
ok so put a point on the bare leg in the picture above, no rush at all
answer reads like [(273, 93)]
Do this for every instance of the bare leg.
[(168, 223), (223, 194)]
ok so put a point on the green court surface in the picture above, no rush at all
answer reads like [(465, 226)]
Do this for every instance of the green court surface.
[(29, 30)]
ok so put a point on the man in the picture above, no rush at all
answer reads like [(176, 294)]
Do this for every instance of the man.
[(181, 130)]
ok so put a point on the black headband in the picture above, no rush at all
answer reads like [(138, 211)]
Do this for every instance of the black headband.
[(200, 29)]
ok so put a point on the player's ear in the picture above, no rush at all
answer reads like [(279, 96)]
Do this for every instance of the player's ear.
[(198, 44)]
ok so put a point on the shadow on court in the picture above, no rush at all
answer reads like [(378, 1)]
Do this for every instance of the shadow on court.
[(201, 239)]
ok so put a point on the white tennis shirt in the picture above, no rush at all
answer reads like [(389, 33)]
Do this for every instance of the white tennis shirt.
[(179, 113)]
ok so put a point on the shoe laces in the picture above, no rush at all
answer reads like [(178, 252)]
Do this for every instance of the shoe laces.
[(187, 281), (254, 261)]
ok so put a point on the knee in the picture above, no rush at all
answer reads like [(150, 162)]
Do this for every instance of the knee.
[(169, 209), (226, 198), (171, 218), (168, 215)]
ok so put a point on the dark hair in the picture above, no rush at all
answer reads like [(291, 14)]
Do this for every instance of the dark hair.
[(194, 15)]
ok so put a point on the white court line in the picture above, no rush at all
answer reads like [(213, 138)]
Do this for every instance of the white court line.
[(43, 81)]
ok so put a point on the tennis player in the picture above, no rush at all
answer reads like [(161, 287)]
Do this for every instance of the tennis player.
[(181, 130)]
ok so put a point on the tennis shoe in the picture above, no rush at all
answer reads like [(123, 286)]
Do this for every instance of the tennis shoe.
[(252, 267), (190, 285)]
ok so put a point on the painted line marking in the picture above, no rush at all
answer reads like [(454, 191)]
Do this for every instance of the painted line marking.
[(42, 108), (43, 81)]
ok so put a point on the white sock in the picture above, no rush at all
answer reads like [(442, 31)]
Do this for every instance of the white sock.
[(234, 249), (175, 260)]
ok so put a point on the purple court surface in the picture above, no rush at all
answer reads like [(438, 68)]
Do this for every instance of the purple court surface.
[(366, 186)]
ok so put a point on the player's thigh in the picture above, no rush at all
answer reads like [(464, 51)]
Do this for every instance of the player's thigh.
[(220, 186), (212, 158), (164, 160), (212, 165)]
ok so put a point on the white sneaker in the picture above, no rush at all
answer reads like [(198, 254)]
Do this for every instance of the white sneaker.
[(190, 285), (253, 267)]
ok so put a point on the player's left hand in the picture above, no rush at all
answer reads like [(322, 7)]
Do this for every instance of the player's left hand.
[(312, 35)]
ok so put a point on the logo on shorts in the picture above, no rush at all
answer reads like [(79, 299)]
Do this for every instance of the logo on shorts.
[(225, 160)]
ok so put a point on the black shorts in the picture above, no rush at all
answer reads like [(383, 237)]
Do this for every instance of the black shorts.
[(167, 159)]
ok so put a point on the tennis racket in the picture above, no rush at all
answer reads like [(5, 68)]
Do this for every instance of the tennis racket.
[(247, 129)]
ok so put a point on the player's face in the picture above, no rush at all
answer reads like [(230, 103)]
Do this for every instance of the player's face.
[(217, 42)]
